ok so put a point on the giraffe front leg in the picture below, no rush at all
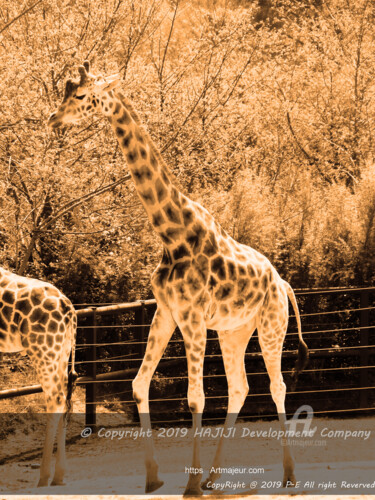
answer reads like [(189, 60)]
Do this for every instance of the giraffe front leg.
[(161, 330), (60, 467), (233, 346), (195, 345), (45, 467)]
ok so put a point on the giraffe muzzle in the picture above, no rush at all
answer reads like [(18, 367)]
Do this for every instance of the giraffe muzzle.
[(53, 121)]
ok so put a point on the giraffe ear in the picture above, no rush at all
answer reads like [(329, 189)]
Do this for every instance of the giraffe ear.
[(111, 82), (83, 74)]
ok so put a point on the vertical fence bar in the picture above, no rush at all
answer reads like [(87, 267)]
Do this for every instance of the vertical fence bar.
[(364, 321), (91, 387)]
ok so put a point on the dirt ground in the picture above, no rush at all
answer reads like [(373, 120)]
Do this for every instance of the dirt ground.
[(112, 464)]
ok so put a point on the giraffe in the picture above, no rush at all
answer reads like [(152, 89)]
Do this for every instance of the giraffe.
[(205, 280), (37, 318)]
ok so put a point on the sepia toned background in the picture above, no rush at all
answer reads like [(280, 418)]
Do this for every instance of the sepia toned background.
[(264, 110)]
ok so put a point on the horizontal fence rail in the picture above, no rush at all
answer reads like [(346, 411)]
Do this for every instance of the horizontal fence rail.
[(354, 324)]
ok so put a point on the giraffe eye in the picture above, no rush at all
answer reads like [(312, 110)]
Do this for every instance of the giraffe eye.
[(80, 97)]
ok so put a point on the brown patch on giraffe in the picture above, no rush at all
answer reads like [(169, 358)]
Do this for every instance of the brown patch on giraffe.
[(201, 301), (142, 152), (195, 319), (158, 219), (124, 118), (193, 282), (172, 213), (193, 358), (37, 328), (224, 292), (57, 316), (50, 340), (181, 252), (161, 191), (50, 304), (188, 216), (202, 267), (179, 270), (24, 327), (232, 274), (174, 233), (126, 140), (211, 247), (132, 156), (23, 306), (189, 333), (264, 282), (239, 303), (195, 237), (166, 257), (9, 297), (218, 267), (160, 276), (37, 296), (251, 271), (38, 315), (165, 177), (120, 132), (182, 293), (153, 159), (185, 315), (148, 196), (7, 313), (142, 174), (243, 285), (175, 197)]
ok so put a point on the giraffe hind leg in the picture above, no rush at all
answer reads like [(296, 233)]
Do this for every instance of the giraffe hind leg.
[(53, 381), (233, 346), (271, 339)]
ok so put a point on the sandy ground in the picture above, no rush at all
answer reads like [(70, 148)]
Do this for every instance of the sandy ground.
[(113, 468)]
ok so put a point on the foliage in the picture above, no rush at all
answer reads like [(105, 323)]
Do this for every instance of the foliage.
[(264, 111)]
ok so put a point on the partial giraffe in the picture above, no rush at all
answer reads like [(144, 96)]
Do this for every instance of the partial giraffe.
[(37, 318), (205, 279)]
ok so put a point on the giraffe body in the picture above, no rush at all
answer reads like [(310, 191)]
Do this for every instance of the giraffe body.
[(37, 318), (205, 279)]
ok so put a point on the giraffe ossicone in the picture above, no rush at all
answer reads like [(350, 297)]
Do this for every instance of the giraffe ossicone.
[(37, 318), (205, 280)]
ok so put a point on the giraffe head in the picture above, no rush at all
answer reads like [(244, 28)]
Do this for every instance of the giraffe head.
[(83, 97)]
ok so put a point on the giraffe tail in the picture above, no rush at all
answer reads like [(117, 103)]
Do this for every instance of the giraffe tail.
[(303, 352), (72, 374)]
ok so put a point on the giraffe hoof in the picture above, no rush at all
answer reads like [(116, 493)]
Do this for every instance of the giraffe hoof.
[(154, 485), (193, 491), (42, 482), (289, 481), (207, 484), (58, 482)]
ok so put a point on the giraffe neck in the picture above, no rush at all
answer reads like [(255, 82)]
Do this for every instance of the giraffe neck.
[(162, 201)]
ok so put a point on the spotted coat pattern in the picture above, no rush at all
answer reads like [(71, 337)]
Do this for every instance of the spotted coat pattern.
[(205, 278), (35, 317)]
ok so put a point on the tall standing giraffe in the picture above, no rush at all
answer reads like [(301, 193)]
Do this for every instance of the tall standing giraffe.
[(37, 318), (204, 280)]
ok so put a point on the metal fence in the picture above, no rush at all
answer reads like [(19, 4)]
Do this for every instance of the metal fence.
[(338, 326)]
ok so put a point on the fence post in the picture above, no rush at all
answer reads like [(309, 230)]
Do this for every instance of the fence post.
[(364, 335), (91, 386)]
